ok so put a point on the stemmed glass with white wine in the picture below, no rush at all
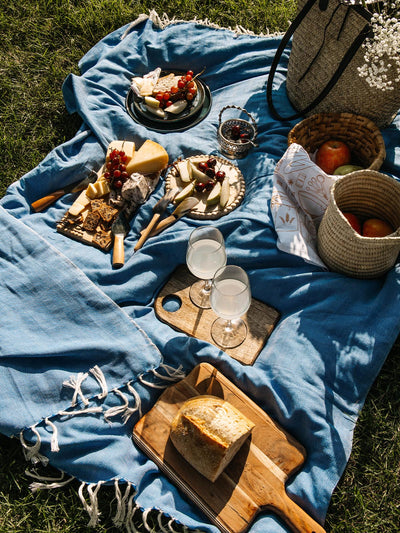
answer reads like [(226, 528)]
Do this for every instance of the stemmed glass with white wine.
[(205, 255), (230, 299)]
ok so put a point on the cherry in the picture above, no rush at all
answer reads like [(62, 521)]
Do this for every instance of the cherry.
[(203, 166), (200, 186), (210, 172), (220, 175), (209, 185), (211, 162), (235, 132)]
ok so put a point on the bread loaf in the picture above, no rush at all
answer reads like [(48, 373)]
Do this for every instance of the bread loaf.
[(208, 431)]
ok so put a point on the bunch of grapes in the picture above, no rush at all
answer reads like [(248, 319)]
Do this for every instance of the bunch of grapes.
[(185, 90), (208, 168), (116, 173)]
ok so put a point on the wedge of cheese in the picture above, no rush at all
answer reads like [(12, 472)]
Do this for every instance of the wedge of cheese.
[(97, 189), (126, 146), (79, 204), (151, 157)]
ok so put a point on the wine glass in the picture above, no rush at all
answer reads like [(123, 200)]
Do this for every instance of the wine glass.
[(205, 255), (230, 299)]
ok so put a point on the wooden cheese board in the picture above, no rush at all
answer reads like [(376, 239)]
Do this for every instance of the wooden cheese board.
[(260, 318), (255, 479)]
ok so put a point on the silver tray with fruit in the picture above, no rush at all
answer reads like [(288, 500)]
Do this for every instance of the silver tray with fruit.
[(215, 182), (167, 96)]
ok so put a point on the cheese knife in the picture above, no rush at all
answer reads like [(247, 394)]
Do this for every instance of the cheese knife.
[(42, 203), (183, 208), (158, 210), (120, 227)]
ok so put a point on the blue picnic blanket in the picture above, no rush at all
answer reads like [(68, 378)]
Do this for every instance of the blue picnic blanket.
[(83, 354)]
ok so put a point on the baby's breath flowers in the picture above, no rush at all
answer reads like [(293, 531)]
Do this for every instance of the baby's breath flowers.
[(382, 48)]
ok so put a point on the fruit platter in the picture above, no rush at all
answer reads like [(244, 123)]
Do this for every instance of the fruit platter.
[(167, 99), (215, 182)]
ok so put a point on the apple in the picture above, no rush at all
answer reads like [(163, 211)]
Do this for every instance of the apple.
[(375, 227), (354, 221), (332, 154), (346, 169)]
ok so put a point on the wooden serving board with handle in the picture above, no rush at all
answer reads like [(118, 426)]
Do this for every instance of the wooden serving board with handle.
[(255, 479)]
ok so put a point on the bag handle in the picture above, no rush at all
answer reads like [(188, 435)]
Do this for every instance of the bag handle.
[(355, 45)]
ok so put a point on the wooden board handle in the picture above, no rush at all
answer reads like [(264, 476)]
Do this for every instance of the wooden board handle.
[(294, 516), (44, 202), (146, 232), (118, 251)]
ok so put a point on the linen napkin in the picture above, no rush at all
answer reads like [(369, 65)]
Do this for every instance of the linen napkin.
[(300, 197)]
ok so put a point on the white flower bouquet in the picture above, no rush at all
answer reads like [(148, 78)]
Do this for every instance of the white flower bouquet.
[(382, 47)]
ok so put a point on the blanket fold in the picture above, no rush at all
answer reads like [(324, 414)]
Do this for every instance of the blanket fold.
[(82, 353)]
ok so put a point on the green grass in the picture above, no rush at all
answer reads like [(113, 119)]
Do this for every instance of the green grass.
[(42, 42)]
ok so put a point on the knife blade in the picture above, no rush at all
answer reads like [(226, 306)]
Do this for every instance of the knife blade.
[(42, 203), (183, 208), (120, 227), (158, 210)]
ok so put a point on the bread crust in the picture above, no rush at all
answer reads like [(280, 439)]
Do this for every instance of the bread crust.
[(208, 432)]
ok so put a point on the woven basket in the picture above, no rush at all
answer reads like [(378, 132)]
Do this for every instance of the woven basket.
[(360, 134), (319, 44), (367, 194)]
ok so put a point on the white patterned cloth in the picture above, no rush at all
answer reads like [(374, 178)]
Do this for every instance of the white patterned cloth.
[(300, 197)]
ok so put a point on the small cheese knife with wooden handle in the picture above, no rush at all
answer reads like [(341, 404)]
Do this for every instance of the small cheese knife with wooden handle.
[(183, 208), (120, 227), (158, 210), (42, 203)]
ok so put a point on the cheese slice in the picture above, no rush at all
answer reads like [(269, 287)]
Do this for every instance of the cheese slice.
[(126, 146), (79, 204), (97, 189), (151, 157)]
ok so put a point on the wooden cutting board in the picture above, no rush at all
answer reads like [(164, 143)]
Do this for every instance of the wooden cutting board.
[(260, 317), (255, 479)]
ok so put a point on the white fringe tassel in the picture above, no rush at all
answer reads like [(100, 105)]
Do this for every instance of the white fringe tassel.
[(98, 374), (91, 508), (54, 438), (124, 410), (89, 410), (31, 453), (164, 21), (76, 383), (56, 483), (173, 374)]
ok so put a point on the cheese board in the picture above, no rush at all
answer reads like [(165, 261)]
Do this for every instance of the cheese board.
[(253, 482), (124, 182)]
